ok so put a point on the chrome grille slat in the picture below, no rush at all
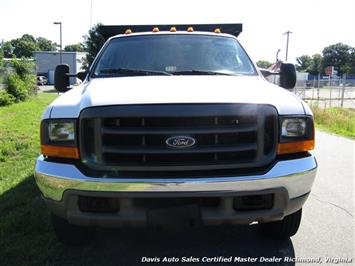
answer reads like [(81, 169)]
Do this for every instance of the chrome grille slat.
[(152, 150), (166, 131)]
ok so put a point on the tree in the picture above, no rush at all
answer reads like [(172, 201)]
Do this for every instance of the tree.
[(93, 43), (7, 49), (44, 44), (28, 38), (312, 65), (263, 64), (341, 56), (78, 47), (23, 48), (26, 45), (316, 66), (303, 63)]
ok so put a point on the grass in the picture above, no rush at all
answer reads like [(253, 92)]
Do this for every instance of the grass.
[(19, 139), (336, 120), (23, 221), (26, 235)]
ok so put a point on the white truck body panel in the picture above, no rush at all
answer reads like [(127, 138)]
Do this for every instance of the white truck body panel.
[(174, 90)]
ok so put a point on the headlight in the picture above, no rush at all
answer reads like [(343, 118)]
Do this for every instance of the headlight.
[(61, 131), (58, 138), (296, 134), (293, 127)]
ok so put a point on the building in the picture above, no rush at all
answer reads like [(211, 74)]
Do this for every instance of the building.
[(47, 61)]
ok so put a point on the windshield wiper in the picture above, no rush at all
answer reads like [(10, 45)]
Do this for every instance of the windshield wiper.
[(199, 72), (133, 71)]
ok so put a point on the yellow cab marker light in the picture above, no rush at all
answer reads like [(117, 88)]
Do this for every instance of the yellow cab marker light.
[(217, 30), (155, 29), (128, 31), (172, 29), (190, 29)]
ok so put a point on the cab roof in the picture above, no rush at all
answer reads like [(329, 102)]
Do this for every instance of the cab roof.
[(109, 31)]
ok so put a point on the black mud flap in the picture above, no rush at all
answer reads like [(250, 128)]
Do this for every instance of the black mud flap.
[(177, 217)]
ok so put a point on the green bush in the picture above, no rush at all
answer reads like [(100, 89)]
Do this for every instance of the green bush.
[(21, 81), (16, 87), (5, 98), (31, 83), (23, 67)]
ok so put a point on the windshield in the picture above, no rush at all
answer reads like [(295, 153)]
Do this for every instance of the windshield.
[(170, 54)]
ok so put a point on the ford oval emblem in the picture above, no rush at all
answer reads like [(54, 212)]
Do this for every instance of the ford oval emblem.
[(180, 142)]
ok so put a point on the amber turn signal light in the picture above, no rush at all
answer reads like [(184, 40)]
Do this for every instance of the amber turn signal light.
[(60, 151), (294, 147)]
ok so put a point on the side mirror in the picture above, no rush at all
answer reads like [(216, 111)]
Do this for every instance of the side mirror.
[(61, 79), (287, 76)]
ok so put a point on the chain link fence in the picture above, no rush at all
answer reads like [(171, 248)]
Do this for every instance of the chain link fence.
[(339, 92)]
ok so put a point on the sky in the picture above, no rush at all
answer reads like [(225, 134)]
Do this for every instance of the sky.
[(314, 24)]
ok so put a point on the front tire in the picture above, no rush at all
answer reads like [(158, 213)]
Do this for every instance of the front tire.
[(70, 234), (284, 228)]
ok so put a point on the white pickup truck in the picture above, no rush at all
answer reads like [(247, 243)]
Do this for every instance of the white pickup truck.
[(175, 126)]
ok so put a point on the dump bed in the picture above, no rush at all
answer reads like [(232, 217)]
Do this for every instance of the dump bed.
[(111, 30)]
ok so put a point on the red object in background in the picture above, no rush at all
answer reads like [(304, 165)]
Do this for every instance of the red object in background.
[(329, 70)]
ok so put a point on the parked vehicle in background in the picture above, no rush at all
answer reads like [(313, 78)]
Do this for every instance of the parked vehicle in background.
[(42, 80), (175, 125)]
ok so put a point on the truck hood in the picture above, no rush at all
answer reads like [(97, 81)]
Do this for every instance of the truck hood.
[(174, 89)]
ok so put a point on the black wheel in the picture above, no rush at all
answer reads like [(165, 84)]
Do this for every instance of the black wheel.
[(284, 228), (70, 234)]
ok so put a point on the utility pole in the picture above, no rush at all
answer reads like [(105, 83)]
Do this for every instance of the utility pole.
[(61, 44), (288, 37)]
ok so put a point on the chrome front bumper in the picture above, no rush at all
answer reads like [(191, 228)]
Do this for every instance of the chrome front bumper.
[(296, 176)]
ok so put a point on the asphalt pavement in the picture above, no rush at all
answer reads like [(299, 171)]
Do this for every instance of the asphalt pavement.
[(327, 228), (326, 231), (47, 89)]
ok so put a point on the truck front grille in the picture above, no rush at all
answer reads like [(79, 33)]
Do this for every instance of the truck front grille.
[(133, 137)]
